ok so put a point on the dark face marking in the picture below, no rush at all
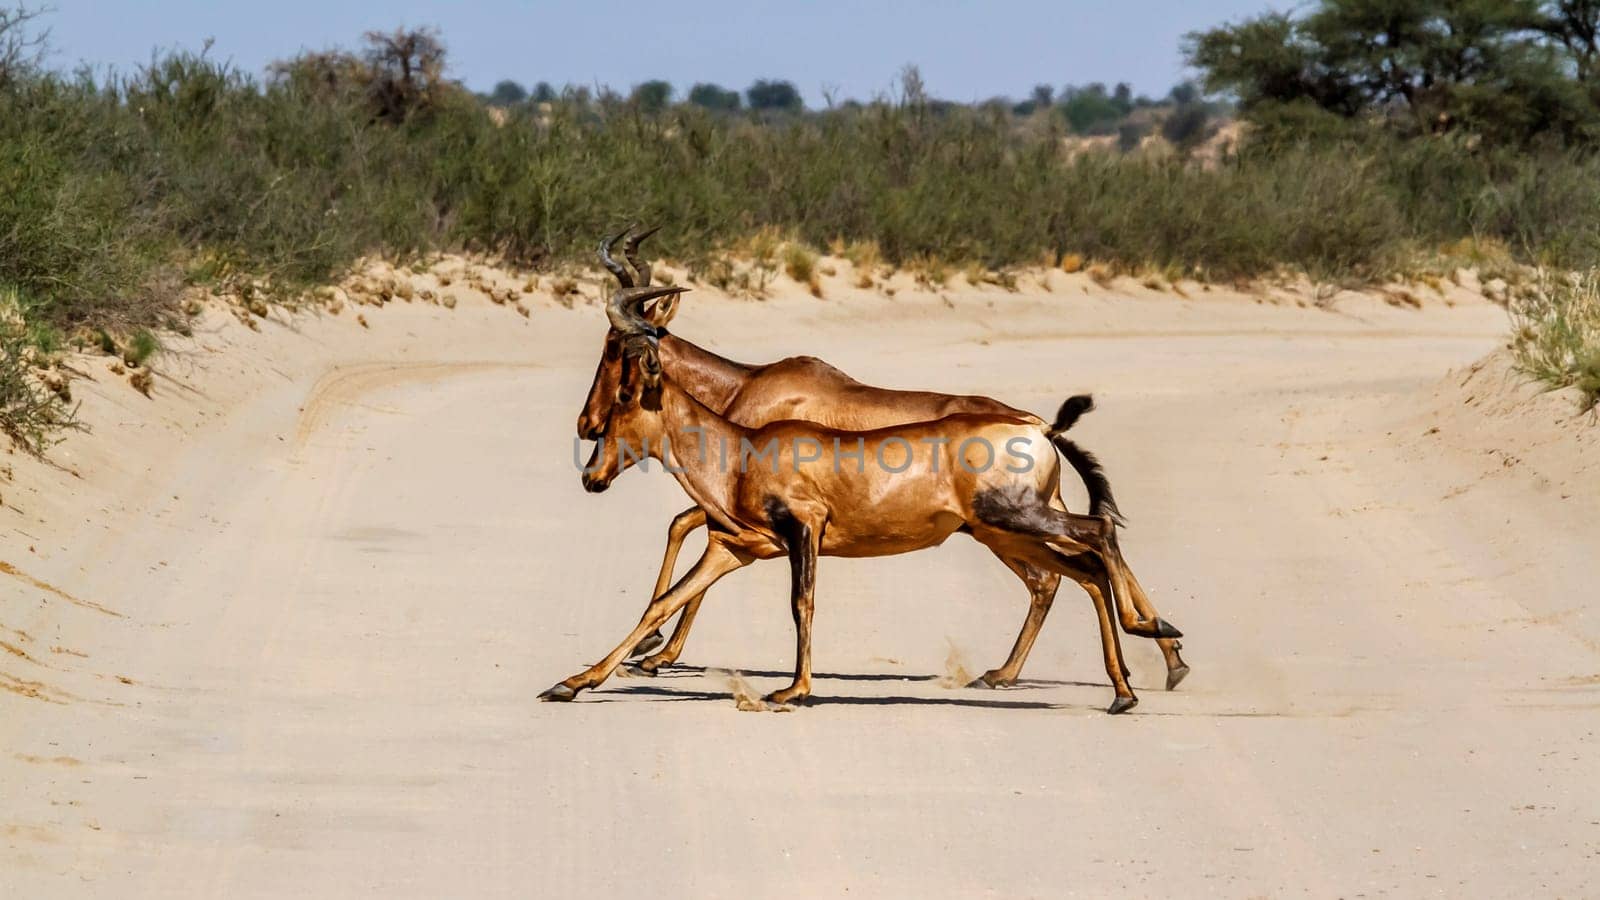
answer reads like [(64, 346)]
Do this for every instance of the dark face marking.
[(603, 390)]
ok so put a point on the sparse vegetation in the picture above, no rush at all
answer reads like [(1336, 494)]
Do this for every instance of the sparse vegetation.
[(141, 346), (115, 193), (1557, 333), (35, 403), (800, 263)]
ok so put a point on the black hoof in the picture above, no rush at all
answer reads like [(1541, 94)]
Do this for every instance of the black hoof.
[(1176, 676), (1122, 705), (558, 694), (648, 645), (1165, 629)]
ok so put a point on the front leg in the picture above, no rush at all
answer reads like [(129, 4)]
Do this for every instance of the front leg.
[(717, 561), (650, 665), (804, 541), (682, 523)]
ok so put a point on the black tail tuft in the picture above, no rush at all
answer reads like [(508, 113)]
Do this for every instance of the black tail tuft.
[(1068, 415), (1101, 503)]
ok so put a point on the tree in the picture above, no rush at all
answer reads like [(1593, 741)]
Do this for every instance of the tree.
[(652, 96), (1123, 97), (507, 93), (20, 47), (406, 70), (1575, 24), (1042, 97), (1504, 69), (1089, 110), (544, 93), (714, 97), (778, 96)]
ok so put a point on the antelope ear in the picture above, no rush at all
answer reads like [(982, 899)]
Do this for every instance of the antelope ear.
[(664, 309)]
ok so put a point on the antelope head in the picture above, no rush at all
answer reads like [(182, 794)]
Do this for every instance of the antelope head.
[(633, 426), (632, 315)]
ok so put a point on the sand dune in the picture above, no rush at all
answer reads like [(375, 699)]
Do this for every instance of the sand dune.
[(278, 628)]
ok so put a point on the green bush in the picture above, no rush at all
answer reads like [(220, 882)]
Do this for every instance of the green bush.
[(112, 194)]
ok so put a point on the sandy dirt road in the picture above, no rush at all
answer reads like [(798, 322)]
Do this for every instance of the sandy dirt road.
[(333, 601)]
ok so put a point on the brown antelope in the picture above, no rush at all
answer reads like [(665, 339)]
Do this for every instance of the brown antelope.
[(810, 492), (808, 388)]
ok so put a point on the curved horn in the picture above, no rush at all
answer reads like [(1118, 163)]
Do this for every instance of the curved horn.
[(625, 309), (612, 265), (631, 250)]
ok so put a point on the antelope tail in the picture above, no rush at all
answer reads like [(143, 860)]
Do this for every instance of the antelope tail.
[(1101, 503)]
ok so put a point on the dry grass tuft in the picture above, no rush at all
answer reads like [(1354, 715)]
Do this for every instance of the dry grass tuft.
[(761, 247), (1557, 336), (800, 263), (1072, 262), (929, 271), (865, 256), (1100, 274)]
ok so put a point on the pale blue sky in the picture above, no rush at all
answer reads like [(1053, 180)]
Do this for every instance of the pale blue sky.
[(967, 49)]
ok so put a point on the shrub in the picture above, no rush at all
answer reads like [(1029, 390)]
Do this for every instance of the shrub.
[(31, 413)]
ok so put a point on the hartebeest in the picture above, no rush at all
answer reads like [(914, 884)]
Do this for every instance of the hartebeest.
[(808, 388), (811, 491)]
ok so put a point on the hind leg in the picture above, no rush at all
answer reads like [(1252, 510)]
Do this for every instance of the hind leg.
[(1042, 585), (1177, 669), (1101, 588)]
